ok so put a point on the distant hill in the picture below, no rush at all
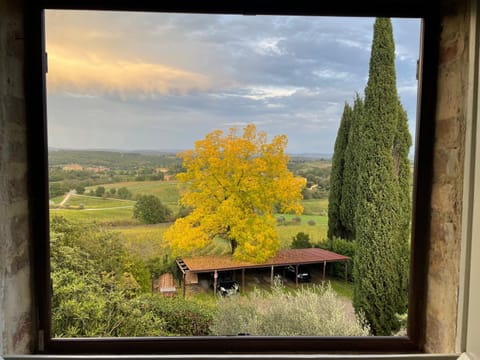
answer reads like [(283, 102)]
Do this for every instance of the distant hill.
[(114, 159)]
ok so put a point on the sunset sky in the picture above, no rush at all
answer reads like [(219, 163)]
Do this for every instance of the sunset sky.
[(137, 81)]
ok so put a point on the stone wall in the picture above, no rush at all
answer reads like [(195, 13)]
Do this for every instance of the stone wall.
[(15, 283), (447, 191)]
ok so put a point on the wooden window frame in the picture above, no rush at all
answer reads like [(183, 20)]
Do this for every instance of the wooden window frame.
[(35, 68)]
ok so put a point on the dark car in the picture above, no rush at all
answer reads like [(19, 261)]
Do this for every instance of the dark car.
[(227, 287), (303, 274)]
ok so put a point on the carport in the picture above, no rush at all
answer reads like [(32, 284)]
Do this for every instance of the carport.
[(294, 257)]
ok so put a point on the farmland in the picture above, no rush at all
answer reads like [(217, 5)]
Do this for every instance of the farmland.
[(115, 214)]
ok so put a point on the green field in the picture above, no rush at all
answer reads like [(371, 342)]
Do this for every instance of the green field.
[(118, 214), (106, 217), (315, 207), (166, 191), (93, 202)]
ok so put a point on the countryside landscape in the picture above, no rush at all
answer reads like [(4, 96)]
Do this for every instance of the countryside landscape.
[(293, 223)]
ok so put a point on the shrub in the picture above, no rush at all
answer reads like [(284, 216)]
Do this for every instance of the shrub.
[(150, 210), (315, 311), (100, 191), (296, 220), (311, 222), (301, 241), (343, 247)]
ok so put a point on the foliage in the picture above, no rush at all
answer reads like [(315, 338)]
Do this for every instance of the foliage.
[(185, 317), (94, 294), (301, 241), (335, 227), (382, 219), (100, 191), (352, 166), (124, 193), (313, 311), (150, 210), (343, 247), (234, 185)]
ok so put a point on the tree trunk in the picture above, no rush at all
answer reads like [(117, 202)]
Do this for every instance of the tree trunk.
[(233, 245)]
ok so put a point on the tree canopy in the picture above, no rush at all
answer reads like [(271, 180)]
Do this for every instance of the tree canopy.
[(150, 210), (234, 184)]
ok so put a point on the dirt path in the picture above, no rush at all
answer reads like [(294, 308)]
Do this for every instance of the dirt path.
[(65, 199)]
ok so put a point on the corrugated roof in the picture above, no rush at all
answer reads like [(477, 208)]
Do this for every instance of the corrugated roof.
[(283, 258)]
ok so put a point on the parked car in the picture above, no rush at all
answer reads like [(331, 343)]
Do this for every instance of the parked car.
[(303, 274), (227, 287)]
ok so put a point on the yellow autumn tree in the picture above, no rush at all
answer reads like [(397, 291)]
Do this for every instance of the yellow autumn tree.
[(235, 184)]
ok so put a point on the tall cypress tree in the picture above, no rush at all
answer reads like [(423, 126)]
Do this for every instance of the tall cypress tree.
[(381, 215), (335, 227), (350, 173)]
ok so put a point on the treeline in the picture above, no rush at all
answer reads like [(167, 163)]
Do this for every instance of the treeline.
[(316, 172), (112, 159)]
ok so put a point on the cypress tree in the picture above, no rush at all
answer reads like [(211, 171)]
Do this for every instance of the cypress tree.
[(350, 173), (382, 216), (335, 227)]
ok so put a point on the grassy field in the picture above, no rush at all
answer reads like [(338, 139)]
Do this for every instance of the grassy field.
[(93, 202), (166, 191), (315, 207), (107, 217)]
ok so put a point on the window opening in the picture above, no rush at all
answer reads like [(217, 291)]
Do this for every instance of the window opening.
[(128, 92)]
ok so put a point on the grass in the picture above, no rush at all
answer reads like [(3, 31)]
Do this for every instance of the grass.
[(166, 191), (106, 217), (145, 241), (315, 207), (93, 202), (342, 288)]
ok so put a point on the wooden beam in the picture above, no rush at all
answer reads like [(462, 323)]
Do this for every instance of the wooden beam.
[(324, 267), (184, 283), (215, 276), (243, 280), (296, 275), (346, 271), (271, 276)]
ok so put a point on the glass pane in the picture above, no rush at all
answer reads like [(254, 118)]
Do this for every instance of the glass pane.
[(225, 175)]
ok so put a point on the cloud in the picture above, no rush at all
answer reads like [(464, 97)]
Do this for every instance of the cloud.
[(137, 80), (92, 73)]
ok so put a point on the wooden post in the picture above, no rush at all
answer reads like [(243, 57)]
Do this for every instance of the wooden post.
[(243, 279), (296, 276), (271, 276), (324, 267), (215, 276), (346, 271), (183, 286)]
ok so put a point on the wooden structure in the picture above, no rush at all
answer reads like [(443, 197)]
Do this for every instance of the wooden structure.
[(294, 257), (165, 285)]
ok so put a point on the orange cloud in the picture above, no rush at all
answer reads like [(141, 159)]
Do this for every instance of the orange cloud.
[(95, 73)]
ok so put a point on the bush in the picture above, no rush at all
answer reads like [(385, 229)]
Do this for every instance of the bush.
[(124, 193), (150, 210), (343, 247), (100, 191), (315, 311), (296, 220), (311, 222), (301, 241)]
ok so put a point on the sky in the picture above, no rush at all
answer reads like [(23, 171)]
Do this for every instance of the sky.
[(143, 81)]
